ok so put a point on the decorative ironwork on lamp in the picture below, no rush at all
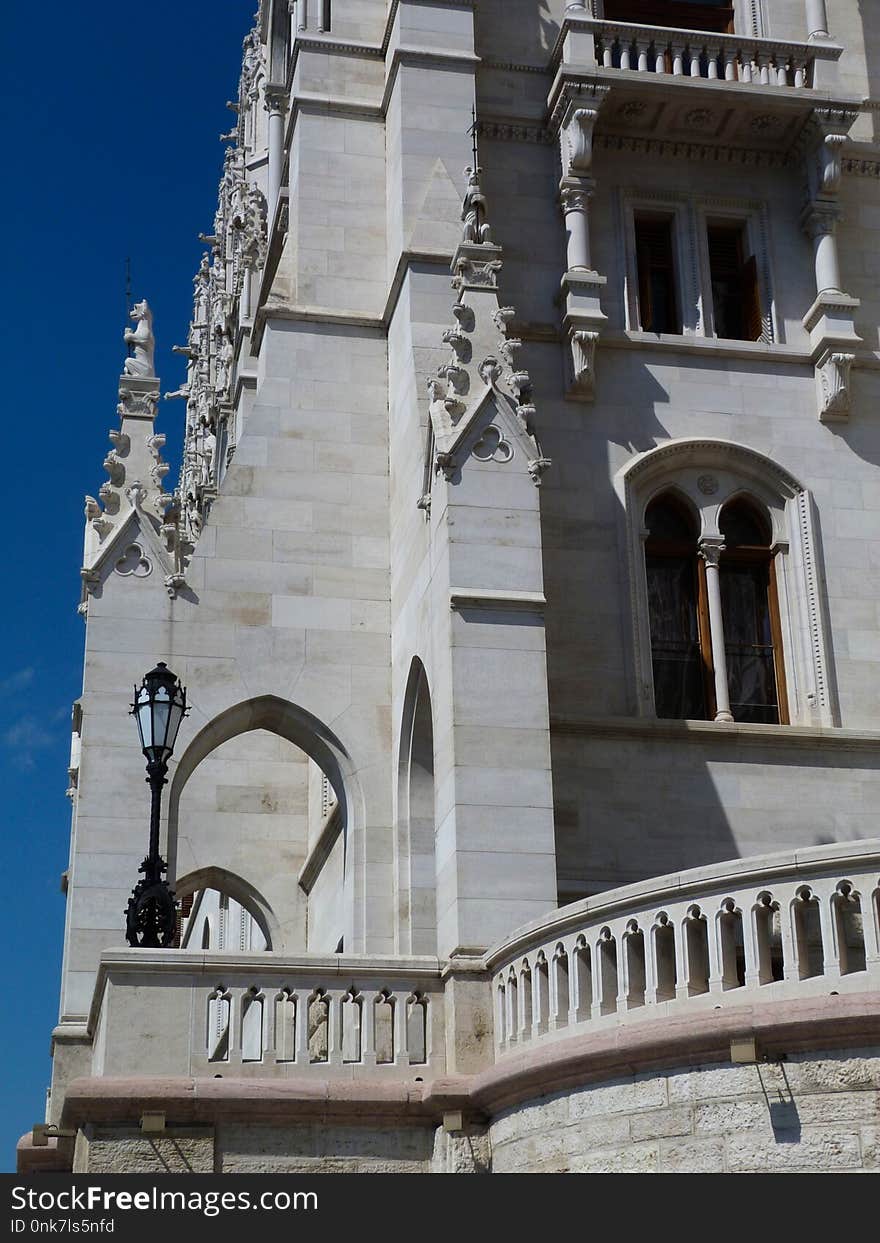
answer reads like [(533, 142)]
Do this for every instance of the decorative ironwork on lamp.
[(159, 708)]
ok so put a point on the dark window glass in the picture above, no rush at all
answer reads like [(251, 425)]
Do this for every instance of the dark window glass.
[(735, 301), (655, 259), (747, 604), (740, 525), (669, 521), (670, 564), (713, 15), (748, 641), (675, 638)]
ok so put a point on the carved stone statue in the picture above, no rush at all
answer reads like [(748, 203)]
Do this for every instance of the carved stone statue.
[(475, 229), (141, 363)]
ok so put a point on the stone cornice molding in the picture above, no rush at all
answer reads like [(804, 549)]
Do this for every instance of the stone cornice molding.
[(395, 5), (423, 57), (463, 598)]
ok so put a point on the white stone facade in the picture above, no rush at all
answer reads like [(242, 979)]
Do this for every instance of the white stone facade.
[(402, 576)]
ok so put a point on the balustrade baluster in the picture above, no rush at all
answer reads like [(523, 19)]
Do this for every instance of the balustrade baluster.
[(745, 68), (607, 55), (642, 50), (763, 62), (625, 55), (713, 59), (781, 73), (800, 74), (659, 58), (677, 60), (728, 59), (695, 54)]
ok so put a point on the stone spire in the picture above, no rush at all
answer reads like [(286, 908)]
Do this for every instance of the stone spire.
[(481, 388), (134, 495)]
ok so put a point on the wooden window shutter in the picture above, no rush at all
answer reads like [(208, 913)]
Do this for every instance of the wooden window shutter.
[(753, 324)]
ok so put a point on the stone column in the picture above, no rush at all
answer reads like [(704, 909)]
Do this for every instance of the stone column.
[(276, 103), (575, 198), (711, 549), (817, 20), (820, 222)]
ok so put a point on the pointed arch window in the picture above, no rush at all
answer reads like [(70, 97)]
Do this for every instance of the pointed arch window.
[(716, 640), (675, 592), (750, 608)]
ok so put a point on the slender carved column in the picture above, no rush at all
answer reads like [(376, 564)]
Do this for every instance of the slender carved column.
[(830, 320), (820, 222), (817, 20), (575, 198), (276, 103), (581, 285), (711, 548)]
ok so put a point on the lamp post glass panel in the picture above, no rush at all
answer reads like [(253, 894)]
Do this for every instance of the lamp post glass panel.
[(159, 707)]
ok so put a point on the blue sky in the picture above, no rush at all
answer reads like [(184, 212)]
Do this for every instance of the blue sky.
[(112, 131)]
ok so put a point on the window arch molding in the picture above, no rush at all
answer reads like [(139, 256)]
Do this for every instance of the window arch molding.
[(706, 475)]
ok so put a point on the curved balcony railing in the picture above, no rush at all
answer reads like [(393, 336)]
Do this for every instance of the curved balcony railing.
[(765, 929), (698, 54)]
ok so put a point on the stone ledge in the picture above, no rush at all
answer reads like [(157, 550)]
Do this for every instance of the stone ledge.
[(794, 736), (835, 1022)]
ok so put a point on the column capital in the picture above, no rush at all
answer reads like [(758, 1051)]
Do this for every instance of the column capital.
[(819, 217), (710, 549), (575, 193), (275, 97)]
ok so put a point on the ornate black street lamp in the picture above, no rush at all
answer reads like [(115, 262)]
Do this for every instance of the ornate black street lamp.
[(159, 707)]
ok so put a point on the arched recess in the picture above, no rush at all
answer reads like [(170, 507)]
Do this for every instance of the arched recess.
[(235, 887), (310, 735), (417, 869), (709, 473)]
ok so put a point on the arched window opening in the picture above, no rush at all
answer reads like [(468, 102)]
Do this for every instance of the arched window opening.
[(285, 1026), (542, 994), (383, 1029), (733, 955), (252, 1027), (219, 1020), (561, 998), (849, 929), (696, 940), (319, 1027), (676, 610), (749, 603), (768, 934), (512, 1007), (219, 923), (417, 1029), (607, 972), (352, 1007), (583, 976), (664, 958), (416, 865), (634, 942), (526, 1011), (723, 544), (808, 934)]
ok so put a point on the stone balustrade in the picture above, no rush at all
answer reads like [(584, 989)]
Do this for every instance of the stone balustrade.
[(698, 54), (784, 926), (178, 1012)]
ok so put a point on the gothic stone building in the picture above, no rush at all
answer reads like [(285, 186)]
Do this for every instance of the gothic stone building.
[(523, 573)]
